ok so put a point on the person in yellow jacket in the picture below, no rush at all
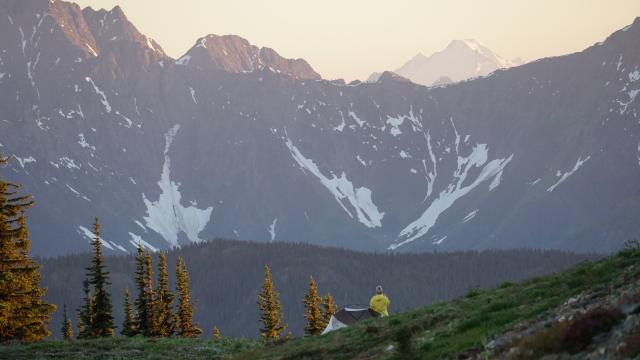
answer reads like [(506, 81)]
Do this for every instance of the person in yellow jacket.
[(380, 302)]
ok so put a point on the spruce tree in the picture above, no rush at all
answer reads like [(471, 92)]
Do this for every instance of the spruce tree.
[(270, 310), (312, 312), (23, 313), (98, 276), (67, 327), (329, 308), (215, 333), (128, 325), (164, 304), (141, 303), (85, 313), (186, 327)]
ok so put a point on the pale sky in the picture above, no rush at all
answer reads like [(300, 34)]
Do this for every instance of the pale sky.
[(352, 38)]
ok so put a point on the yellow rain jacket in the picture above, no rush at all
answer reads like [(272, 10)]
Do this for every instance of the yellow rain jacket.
[(380, 303)]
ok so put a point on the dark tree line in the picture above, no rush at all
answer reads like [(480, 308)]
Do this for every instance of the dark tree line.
[(226, 276)]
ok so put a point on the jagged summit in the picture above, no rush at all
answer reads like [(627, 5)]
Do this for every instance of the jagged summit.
[(235, 54), (109, 27)]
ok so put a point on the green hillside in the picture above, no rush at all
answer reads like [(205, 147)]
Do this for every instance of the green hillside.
[(473, 326), (448, 329)]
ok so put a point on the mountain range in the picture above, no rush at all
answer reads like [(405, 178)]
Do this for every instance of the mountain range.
[(234, 141), (460, 60)]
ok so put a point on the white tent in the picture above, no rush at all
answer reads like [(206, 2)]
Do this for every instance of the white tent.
[(349, 315)]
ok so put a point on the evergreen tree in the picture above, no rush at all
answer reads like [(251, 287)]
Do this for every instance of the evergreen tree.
[(215, 333), (270, 310), (152, 300), (329, 308), (79, 325), (165, 317), (98, 277), (67, 327), (85, 313), (312, 311), (141, 303), (186, 327), (23, 313), (128, 325)]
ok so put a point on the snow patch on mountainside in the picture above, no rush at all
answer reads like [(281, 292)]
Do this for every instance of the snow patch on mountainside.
[(183, 60), (100, 93), (167, 216), (566, 175), (137, 240), (453, 192), (78, 194), (342, 189), (90, 236), (272, 229), (24, 161), (470, 215)]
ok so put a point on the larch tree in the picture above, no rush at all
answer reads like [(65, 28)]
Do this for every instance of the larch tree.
[(67, 327), (152, 299), (312, 310), (128, 324), (328, 308), (186, 327), (164, 304), (215, 333), (270, 310), (98, 277), (23, 314)]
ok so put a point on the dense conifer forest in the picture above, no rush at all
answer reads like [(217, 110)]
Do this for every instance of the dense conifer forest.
[(225, 277)]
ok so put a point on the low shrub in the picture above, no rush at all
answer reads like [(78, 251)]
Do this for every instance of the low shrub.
[(506, 284), (583, 328), (473, 292), (631, 345), (547, 341)]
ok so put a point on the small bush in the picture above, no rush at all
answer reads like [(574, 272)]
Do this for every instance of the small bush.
[(631, 347), (547, 341), (583, 328), (473, 321), (576, 282), (473, 292), (371, 329), (501, 305), (632, 244), (506, 284), (403, 338)]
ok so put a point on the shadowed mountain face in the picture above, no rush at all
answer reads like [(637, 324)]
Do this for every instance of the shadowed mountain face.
[(101, 121)]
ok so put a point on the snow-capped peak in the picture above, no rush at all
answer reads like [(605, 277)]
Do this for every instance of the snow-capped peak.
[(460, 60)]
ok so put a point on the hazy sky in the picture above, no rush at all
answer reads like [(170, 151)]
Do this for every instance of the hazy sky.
[(351, 38)]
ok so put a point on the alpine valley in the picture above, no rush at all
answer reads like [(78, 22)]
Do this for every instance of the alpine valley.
[(234, 141)]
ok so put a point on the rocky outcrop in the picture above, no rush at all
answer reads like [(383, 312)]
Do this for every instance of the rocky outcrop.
[(601, 323)]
